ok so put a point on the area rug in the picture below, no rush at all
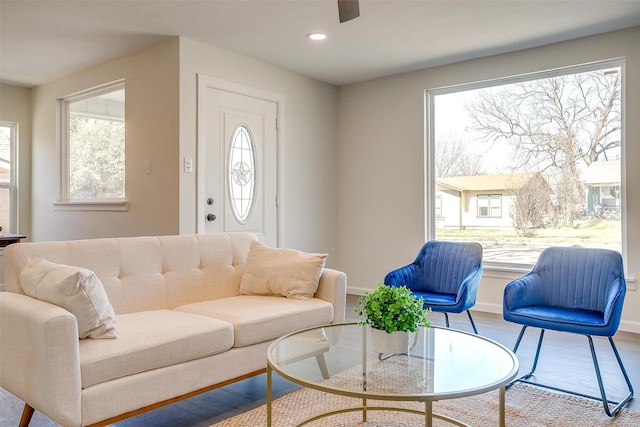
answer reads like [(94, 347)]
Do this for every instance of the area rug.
[(526, 406)]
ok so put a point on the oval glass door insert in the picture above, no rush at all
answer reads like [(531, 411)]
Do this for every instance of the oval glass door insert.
[(242, 176)]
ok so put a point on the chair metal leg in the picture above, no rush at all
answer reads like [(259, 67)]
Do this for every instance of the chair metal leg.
[(603, 397), (618, 405), (528, 375), (473, 325)]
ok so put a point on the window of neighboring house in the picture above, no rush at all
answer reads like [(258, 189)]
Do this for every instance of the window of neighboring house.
[(489, 206), (92, 148), (438, 205), (543, 152), (8, 177)]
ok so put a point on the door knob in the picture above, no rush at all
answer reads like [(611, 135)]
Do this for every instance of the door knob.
[(211, 217)]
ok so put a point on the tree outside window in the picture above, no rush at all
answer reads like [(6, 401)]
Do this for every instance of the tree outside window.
[(94, 144), (563, 129)]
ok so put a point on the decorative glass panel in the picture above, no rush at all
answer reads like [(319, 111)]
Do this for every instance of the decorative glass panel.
[(242, 174)]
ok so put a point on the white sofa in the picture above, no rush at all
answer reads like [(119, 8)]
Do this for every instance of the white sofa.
[(182, 325)]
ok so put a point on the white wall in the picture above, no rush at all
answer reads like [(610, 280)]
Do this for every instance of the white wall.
[(308, 155), (151, 123), (161, 100), (381, 160), (15, 106)]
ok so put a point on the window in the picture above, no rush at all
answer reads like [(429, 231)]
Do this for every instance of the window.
[(93, 148), (489, 205), (8, 186), (528, 162)]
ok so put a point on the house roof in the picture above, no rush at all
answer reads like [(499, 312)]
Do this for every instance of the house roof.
[(603, 173), (503, 181)]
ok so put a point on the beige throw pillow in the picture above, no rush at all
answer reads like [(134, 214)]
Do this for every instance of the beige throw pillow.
[(75, 289), (278, 271)]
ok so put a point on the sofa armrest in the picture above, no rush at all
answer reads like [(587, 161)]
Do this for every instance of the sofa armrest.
[(40, 357), (333, 288)]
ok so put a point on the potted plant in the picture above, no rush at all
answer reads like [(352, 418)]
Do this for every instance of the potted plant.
[(393, 314)]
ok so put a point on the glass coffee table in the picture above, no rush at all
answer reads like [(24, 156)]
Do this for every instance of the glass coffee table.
[(441, 364)]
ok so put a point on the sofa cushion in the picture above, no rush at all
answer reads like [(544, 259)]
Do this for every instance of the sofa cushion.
[(257, 319), (279, 271), (152, 339), (75, 289)]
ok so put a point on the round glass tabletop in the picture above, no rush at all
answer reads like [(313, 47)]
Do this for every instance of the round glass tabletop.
[(439, 363)]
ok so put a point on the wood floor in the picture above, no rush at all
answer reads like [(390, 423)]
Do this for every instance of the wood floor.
[(565, 362)]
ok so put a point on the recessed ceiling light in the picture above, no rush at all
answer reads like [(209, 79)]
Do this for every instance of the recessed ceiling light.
[(317, 36)]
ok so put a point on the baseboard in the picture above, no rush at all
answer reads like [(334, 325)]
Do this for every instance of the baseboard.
[(629, 326), (487, 307), (356, 291)]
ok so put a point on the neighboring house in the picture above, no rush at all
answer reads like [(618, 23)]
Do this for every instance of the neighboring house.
[(602, 184), (481, 201)]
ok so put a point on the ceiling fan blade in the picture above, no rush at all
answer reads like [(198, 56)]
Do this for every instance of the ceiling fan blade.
[(348, 9)]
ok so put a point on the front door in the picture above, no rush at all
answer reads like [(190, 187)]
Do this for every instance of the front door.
[(238, 162)]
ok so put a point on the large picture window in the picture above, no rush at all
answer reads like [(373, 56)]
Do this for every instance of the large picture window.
[(529, 162), (93, 146)]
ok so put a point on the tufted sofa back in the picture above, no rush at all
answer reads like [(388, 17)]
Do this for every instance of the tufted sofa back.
[(146, 273)]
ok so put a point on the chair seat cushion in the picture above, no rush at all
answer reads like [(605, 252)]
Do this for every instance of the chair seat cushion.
[(437, 301), (585, 322), (257, 319), (150, 340)]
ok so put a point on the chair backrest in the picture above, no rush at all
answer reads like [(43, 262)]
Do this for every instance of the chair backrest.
[(445, 265), (577, 277)]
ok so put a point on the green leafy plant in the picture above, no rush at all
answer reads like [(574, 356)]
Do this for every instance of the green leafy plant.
[(392, 309)]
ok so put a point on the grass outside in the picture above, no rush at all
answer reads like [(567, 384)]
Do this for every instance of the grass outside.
[(503, 245), (589, 232)]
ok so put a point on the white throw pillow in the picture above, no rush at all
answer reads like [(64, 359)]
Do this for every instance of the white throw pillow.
[(277, 271), (75, 289)]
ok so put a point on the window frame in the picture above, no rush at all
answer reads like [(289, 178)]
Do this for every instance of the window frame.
[(430, 148), (490, 207), (12, 185), (63, 200)]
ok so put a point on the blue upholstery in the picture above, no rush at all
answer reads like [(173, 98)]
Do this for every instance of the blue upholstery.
[(572, 289), (445, 274)]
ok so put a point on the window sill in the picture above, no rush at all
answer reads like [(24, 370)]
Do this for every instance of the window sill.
[(92, 205)]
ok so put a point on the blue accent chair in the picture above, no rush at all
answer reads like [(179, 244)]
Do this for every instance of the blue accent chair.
[(576, 290), (445, 274)]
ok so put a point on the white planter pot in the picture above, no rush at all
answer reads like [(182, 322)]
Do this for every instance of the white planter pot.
[(392, 343)]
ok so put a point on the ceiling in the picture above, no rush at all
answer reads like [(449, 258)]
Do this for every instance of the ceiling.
[(44, 40)]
